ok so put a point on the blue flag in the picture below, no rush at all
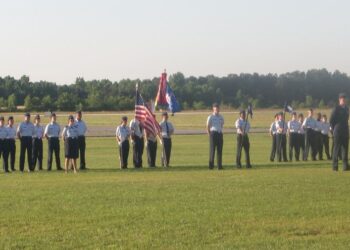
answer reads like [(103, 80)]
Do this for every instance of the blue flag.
[(171, 99)]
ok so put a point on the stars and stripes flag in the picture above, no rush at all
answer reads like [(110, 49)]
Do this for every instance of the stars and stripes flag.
[(145, 116)]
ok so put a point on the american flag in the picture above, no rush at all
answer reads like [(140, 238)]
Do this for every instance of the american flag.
[(145, 116)]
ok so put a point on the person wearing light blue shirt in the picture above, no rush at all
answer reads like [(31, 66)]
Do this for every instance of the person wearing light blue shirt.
[(38, 143), (11, 142), (122, 136), (309, 126), (52, 133), (3, 144), (82, 129), (215, 124), (293, 132), (243, 127), (273, 134), (70, 138), (325, 129), (25, 132)]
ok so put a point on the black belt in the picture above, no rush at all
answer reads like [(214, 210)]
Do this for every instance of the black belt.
[(81, 136)]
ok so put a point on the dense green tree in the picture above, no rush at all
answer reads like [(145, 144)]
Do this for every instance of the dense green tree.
[(301, 89)]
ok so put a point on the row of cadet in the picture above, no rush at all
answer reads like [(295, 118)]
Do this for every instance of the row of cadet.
[(305, 136), (139, 137), (31, 142)]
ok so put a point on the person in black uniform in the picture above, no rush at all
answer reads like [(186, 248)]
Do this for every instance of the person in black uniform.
[(11, 142), (25, 132), (38, 143), (122, 136), (340, 129)]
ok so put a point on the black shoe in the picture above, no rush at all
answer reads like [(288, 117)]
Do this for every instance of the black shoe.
[(220, 168), (13, 170), (84, 168), (249, 166), (59, 169), (6, 171), (239, 166)]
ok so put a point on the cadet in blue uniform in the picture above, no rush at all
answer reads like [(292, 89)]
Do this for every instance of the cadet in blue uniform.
[(339, 122), (318, 136), (138, 143), (52, 133), (243, 128), (301, 135), (71, 147), (3, 144), (11, 142), (293, 132), (151, 146), (273, 134), (122, 137), (81, 138), (38, 143), (281, 140), (309, 126), (215, 124), (325, 137), (167, 131), (25, 132)]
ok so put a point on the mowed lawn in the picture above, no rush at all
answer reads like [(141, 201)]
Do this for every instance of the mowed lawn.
[(272, 206)]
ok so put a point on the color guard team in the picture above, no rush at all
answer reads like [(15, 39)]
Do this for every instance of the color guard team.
[(305, 137)]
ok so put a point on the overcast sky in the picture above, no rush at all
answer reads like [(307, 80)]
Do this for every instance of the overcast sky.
[(61, 40)]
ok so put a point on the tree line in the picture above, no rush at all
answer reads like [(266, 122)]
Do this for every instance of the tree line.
[(314, 88)]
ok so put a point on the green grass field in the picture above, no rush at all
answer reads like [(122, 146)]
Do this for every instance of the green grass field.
[(272, 206)]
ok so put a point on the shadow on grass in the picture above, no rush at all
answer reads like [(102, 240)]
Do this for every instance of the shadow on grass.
[(188, 168)]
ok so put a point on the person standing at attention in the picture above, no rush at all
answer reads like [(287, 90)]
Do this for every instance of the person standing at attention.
[(215, 124), (167, 132), (81, 139)]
